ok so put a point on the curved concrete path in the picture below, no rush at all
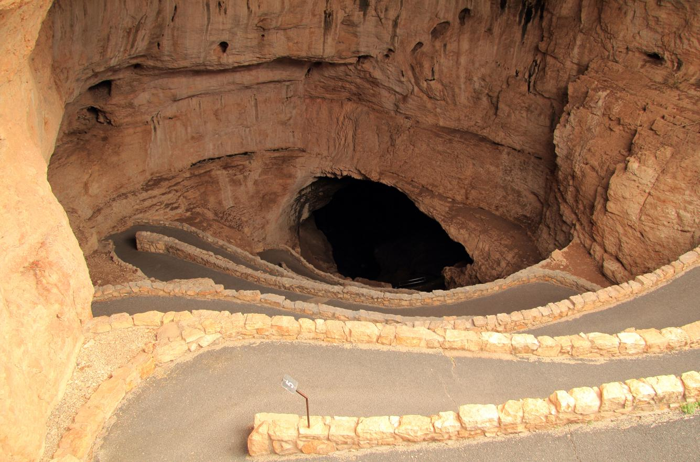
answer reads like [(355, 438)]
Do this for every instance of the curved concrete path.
[(202, 409), (166, 267), (280, 256)]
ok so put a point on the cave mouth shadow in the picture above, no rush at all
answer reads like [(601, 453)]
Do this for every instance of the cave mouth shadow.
[(376, 233)]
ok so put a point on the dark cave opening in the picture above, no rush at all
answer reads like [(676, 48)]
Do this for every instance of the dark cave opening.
[(377, 233)]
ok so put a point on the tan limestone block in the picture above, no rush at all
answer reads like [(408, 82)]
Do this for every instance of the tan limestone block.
[(182, 316), (415, 428), (693, 332), (335, 331), (387, 336), (431, 339), (129, 374), (495, 342), (317, 447), (580, 346), (212, 325), (259, 443), (479, 417), (190, 334), (677, 338), (121, 321), (168, 332), (99, 325), (169, 317), (317, 431), (510, 414), (535, 412), (462, 340), (233, 326), (373, 431), (587, 400), (668, 388), (409, 336), (167, 352), (524, 344), (607, 345), (656, 343), (631, 343), (284, 430), (643, 392), (615, 396), (149, 318), (563, 402), (447, 425), (548, 346), (258, 323), (108, 395), (248, 295), (320, 327), (343, 430), (307, 328), (362, 331), (208, 340), (144, 363), (285, 326), (691, 382)]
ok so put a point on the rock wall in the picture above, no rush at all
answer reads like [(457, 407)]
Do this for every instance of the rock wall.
[(45, 290)]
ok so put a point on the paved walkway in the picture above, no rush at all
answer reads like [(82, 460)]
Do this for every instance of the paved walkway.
[(166, 267), (202, 409)]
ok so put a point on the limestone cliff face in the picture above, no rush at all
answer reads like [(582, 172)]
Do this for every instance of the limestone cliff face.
[(516, 124)]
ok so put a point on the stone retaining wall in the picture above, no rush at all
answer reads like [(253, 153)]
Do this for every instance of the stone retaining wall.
[(285, 434), (503, 322), (157, 243), (179, 333)]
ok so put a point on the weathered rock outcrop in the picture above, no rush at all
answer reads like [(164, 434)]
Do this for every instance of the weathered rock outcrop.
[(517, 125)]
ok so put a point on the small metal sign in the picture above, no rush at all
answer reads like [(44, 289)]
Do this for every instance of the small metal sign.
[(289, 384)]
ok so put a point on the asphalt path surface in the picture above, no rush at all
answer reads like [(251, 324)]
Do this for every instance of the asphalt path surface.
[(202, 409), (279, 256), (672, 305), (165, 267)]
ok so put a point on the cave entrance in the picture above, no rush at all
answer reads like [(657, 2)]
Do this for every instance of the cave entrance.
[(375, 232)]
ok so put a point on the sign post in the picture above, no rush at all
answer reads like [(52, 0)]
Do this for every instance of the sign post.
[(291, 385)]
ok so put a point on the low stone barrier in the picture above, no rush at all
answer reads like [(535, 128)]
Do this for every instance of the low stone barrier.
[(503, 322), (178, 333), (285, 434)]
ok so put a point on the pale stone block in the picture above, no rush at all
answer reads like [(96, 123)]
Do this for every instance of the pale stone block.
[(431, 339), (317, 431), (642, 392), (415, 428), (565, 343), (168, 332), (317, 447), (607, 345), (689, 258), (285, 326), (190, 334), (668, 388), (342, 430), (587, 400), (535, 412), (631, 343), (524, 344), (233, 326), (462, 340), (149, 318), (580, 346), (387, 335), (284, 427), (410, 336), (362, 332), (248, 295), (259, 323), (121, 321), (548, 346), (182, 316), (691, 381), (170, 351), (212, 325), (693, 332), (373, 431), (677, 338), (447, 425), (108, 396), (307, 329), (479, 417), (495, 342), (615, 396), (335, 331), (656, 343), (563, 402), (578, 302), (208, 340), (99, 325), (510, 414), (259, 443)]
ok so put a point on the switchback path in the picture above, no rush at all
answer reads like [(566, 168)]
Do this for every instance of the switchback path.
[(165, 267), (202, 409)]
